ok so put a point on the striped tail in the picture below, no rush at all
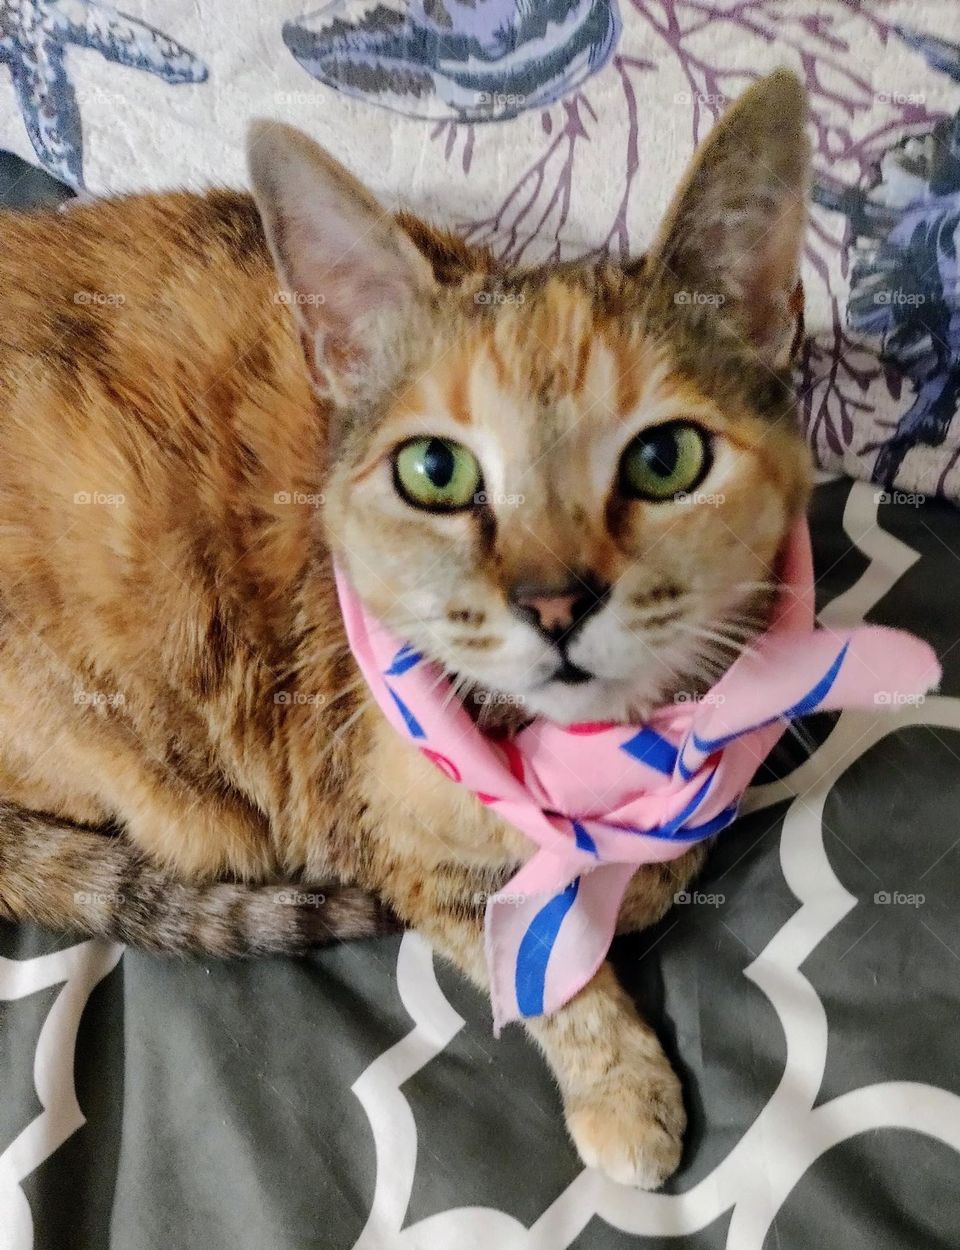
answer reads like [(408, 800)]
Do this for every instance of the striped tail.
[(68, 878)]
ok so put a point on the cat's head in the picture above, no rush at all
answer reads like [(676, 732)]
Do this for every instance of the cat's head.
[(567, 485)]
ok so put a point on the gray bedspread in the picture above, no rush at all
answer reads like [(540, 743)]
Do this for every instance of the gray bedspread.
[(809, 992)]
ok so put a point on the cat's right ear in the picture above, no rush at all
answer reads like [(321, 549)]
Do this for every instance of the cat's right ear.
[(729, 250), (351, 275)]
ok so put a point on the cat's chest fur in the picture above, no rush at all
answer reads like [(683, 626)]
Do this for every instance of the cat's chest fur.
[(409, 825), (432, 819)]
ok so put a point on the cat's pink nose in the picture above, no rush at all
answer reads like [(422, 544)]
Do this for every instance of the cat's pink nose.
[(554, 613), (558, 610)]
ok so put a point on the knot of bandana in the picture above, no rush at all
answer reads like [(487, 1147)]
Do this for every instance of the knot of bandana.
[(598, 800)]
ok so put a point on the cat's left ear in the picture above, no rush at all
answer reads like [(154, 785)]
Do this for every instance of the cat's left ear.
[(352, 277), (731, 242)]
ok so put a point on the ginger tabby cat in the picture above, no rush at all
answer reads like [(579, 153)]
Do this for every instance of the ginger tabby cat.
[(203, 396)]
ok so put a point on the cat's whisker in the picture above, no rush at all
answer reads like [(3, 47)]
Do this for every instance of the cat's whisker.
[(803, 736), (705, 634), (423, 621), (755, 613), (767, 585), (340, 735), (442, 677), (340, 738), (357, 684), (459, 687), (737, 629), (336, 645)]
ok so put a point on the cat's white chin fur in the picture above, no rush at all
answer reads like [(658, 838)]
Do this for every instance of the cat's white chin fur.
[(599, 699)]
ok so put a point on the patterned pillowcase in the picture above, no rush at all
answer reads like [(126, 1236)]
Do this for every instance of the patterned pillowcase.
[(560, 127)]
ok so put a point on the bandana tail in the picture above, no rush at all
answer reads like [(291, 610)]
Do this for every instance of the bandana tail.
[(867, 667), (545, 944)]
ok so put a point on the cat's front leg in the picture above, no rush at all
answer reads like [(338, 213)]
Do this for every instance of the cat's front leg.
[(622, 1100)]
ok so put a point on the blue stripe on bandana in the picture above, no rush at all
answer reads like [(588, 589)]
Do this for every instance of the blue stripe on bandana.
[(584, 841), (649, 748), (413, 725), (675, 823), (714, 825), (809, 703), (816, 696), (673, 828), (404, 660), (686, 773), (536, 947)]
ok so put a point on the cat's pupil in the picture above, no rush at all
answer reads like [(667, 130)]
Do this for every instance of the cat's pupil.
[(661, 454), (438, 463)]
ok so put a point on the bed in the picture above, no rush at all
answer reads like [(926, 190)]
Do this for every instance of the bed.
[(808, 988)]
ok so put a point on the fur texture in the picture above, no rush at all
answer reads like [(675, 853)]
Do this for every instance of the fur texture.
[(200, 397)]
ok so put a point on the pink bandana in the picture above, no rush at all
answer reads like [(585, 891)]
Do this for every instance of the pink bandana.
[(597, 800)]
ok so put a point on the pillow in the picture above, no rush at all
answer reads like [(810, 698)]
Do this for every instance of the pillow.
[(558, 128)]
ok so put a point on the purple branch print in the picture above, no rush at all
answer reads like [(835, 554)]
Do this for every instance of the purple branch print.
[(861, 132)]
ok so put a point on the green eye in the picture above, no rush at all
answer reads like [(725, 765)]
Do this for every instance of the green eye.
[(437, 473), (664, 462)]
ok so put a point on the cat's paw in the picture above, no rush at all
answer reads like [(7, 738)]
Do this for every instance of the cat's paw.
[(631, 1128)]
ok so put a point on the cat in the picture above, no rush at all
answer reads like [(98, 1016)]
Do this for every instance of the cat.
[(568, 486)]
